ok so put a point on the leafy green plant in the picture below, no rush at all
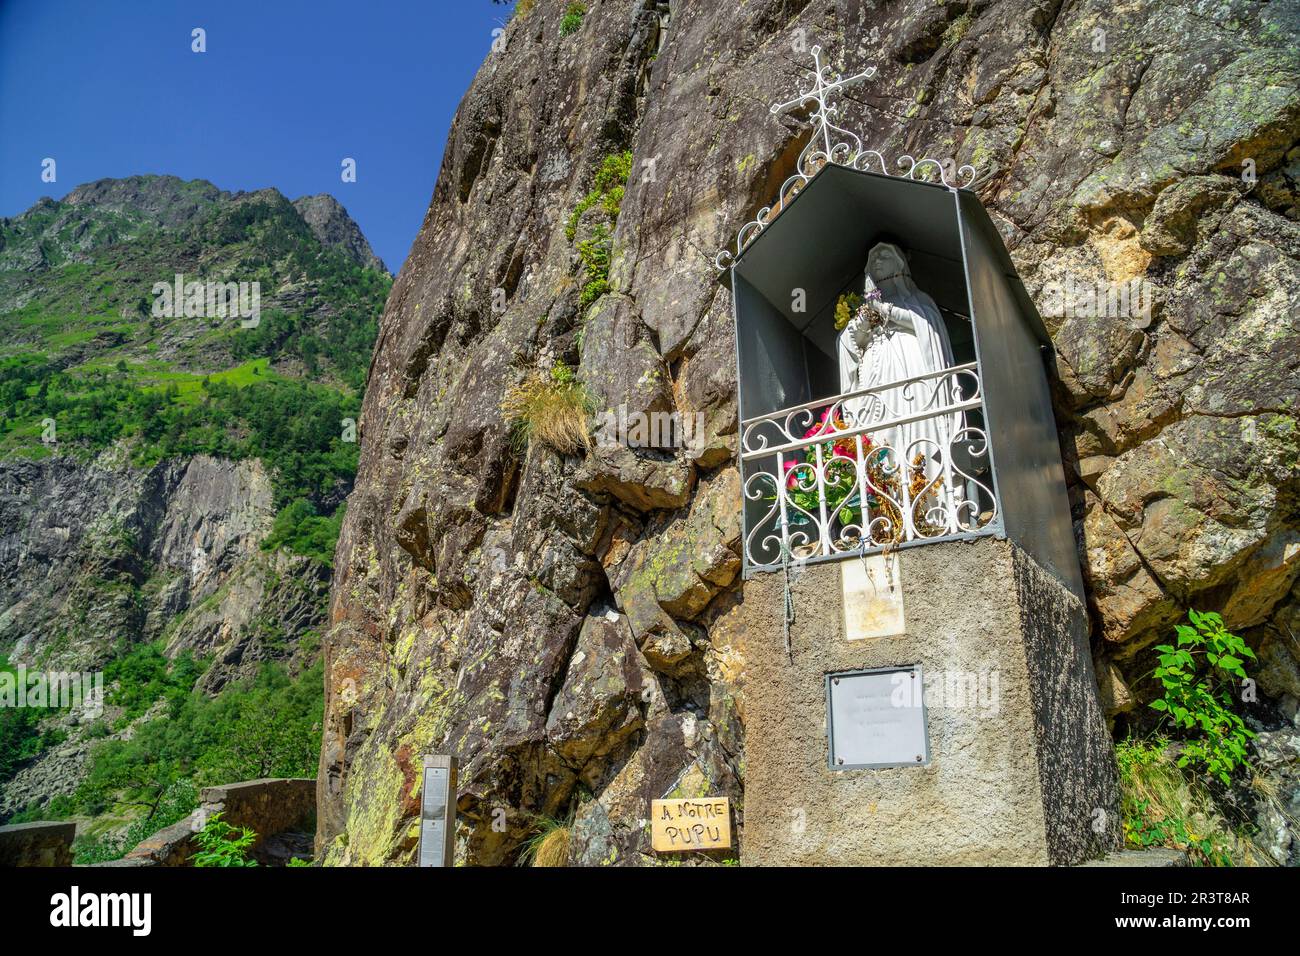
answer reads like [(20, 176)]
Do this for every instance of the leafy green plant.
[(220, 844), (596, 250), (1198, 677), (551, 408), (571, 22), (607, 190)]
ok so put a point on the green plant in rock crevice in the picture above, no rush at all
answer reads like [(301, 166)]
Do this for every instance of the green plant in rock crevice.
[(596, 250), (552, 408), (1162, 806), (1200, 704), (571, 22)]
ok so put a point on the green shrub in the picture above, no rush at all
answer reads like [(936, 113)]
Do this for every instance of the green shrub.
[(1198, 677), (141, 675), (264, 726), (180, 800), (571, 22), (300, 529), (220, 844)]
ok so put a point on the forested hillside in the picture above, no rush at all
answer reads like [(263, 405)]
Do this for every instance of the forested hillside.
[(171, 486)]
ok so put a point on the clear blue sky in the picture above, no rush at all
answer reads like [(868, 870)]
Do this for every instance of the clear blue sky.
[(285, 91)]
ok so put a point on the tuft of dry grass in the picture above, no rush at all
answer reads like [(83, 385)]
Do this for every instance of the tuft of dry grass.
[(549, 846), (552, 408)]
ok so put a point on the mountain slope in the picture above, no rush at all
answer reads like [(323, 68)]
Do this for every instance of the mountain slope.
[(170, 484)]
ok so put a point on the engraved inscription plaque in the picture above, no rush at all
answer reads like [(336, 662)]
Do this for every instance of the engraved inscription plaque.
[(700, 824), (876, 718), (437, 811)]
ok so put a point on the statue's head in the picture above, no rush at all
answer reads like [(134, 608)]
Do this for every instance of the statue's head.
[(886, 261)]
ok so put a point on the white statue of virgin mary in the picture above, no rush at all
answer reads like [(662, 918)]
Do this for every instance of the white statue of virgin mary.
[(899, 334)]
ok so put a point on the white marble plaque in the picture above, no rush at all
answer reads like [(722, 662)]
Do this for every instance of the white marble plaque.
[(873, 597)]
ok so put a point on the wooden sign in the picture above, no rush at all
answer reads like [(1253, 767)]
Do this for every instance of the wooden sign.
[(700, 824)]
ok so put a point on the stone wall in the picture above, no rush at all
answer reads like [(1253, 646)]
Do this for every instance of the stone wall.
[(268, 806), (37, 844)]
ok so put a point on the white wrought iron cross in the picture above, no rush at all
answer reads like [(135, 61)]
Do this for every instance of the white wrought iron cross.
[(824, 84)]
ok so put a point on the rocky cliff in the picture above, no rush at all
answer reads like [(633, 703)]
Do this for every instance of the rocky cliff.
[(565, 624)]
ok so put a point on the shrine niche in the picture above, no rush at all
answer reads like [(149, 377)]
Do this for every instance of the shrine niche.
[(894, 409), (920, 687)]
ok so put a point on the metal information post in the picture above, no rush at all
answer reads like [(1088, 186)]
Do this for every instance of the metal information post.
[(438, 811)]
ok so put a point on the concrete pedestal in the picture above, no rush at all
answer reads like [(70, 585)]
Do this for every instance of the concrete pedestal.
[(1020, 769)]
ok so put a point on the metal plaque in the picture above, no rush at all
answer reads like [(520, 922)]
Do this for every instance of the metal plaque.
[(876, 718), (438, 811)]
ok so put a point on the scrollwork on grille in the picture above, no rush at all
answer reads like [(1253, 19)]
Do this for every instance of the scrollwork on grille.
[(832, 143), (832, 480)]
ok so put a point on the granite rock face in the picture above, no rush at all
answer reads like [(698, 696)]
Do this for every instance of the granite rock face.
[(97, 556), (567, 626)]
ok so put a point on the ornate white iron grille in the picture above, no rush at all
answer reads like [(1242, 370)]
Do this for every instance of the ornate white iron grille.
[(847, 475)]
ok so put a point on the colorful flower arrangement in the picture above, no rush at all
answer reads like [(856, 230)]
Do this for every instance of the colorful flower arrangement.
[(843, 503), (841, 476)]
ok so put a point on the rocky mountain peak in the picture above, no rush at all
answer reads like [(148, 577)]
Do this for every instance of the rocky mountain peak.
[(333, 227)]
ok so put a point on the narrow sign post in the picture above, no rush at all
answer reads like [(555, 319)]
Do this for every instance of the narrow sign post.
[(438, 811)]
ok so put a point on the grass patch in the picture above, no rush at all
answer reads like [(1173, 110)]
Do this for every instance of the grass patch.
[(549, 846), (1164, 806), (956, 30), (552, 408)]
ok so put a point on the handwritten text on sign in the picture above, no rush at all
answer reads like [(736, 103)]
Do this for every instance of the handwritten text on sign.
[(703, 824)]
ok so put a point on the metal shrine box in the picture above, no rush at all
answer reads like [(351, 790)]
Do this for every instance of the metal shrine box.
[(1024, 773), (786, 355), (876, 718), (438, 811)]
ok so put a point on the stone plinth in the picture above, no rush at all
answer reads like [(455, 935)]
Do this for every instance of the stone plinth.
[(1020, 767)]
